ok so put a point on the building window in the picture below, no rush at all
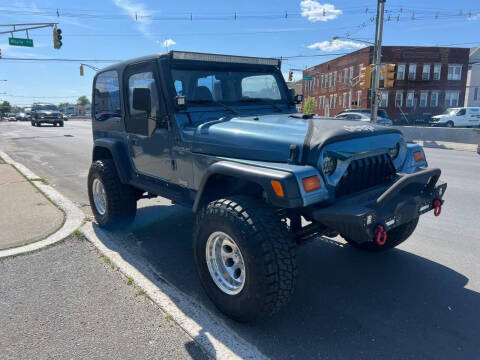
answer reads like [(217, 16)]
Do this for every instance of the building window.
[(426, 72), (437, 69), (412, 71), (401, 72), (330, 80), (384, 102), (334, 101), (423, 98), (399, 99), (475, 94), (434, 99), (360, 69), (340, 77), (331, 101), (334, 78), (410, 102), (321, 81), (451, 98), (454, 72), (351, 73), (344, 99), (345, 76), (359, 98)]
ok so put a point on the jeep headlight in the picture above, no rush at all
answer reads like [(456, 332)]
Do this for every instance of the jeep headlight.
[(329, 165), (394, 151)]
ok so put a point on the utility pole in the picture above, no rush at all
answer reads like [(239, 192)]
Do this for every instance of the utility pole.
[(377, 58)]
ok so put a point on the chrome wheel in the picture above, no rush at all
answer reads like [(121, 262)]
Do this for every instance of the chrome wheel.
[(225, 263), (99, 196)]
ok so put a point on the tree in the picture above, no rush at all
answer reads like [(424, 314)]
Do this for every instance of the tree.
[(5, 107), (83, 100), (309, 107)]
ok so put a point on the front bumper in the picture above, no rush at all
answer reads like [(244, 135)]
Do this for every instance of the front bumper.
[(357, 217), (49, 120)]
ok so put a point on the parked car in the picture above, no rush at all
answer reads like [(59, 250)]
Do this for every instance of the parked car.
[(43, 113), (362, 117), (20, 116), (11, 117), (380, 112), (461, 116), (221, 135)]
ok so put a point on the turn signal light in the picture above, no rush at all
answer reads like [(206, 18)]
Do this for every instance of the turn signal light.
[(418, 156), (311, 183), (277, 188)]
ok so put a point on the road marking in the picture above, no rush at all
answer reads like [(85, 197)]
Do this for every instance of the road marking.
[(73, 215)]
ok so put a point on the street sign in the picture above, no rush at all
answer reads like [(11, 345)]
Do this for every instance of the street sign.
[(20, 42), (307, 78)]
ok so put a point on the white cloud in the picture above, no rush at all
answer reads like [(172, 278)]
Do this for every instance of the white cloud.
[(167, 43), (314, 11), (335, 45), (138, 12)]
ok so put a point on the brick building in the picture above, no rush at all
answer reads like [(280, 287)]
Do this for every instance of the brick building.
[(427, 81)]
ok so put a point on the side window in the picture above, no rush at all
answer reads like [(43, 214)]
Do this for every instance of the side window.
[(106, 99), (461, 112), (178, 87), (138, 121), (208, 88)]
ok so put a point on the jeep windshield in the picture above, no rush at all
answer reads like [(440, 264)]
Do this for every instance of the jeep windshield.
[(227, 86), (46, 107)]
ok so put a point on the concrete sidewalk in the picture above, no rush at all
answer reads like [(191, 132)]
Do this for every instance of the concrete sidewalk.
[(26, 215)]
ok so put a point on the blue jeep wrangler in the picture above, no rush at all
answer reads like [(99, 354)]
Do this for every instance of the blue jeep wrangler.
[(220, 134)]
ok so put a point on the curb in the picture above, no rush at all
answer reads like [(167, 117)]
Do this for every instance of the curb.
[(446, 145), (215, 337), (73, 215)]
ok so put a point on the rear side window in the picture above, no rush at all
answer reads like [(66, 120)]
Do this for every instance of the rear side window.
[(106, 97)]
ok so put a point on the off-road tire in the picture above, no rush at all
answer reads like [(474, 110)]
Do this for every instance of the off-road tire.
[(268, 253), (61, 124), (450, 124), (395, 237), (121, 202)]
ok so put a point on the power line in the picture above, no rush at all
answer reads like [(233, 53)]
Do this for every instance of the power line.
[(59, 60)]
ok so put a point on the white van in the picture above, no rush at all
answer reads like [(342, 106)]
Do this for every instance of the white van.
[(465, 116)]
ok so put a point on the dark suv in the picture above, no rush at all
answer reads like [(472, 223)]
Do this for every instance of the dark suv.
[(42, 113), (220, 134)]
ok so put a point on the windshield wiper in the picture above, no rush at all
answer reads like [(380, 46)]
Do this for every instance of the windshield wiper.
[(276, 107), (226, 107)]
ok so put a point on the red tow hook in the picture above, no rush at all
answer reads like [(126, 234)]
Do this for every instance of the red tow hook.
[(381, 238), (437, 207)]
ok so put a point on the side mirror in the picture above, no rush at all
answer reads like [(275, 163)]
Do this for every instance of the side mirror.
[(142, 100)]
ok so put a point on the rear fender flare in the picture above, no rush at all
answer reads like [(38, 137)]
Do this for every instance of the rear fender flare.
[(118, 153)]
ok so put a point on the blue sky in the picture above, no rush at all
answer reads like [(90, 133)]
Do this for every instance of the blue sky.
[(108, 29)]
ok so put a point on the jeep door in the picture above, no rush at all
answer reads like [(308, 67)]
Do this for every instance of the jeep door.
[(147, 131)]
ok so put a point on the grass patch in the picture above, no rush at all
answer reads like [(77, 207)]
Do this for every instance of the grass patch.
[(88, 218), (79, 235), (42, 180), (169, 317), (129, 281), (142, 293)]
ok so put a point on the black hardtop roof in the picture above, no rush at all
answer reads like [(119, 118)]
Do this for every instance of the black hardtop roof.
[(120, 66)]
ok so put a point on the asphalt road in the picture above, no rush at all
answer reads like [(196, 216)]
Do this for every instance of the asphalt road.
[(419, 301)]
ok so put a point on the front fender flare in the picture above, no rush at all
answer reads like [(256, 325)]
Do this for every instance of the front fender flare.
[(259, 175)]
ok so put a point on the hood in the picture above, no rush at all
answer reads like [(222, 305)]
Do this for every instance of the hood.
[(269, 137), (440, 116)]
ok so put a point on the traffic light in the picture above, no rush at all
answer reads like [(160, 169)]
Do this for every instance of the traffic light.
[(290, 75), (389, 76), (81, 70), (57, 38), (365, 77)]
